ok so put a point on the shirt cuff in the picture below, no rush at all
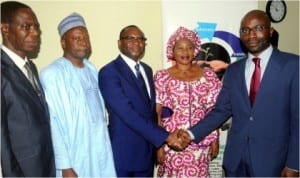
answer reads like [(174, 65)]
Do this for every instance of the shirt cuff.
[(191, 134), (295, 170)]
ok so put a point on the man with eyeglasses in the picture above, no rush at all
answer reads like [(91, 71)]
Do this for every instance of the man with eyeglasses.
[(127, 87), (261, 94), (26, 145)]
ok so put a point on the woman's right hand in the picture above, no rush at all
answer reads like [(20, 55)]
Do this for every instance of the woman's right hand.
[(161, 155)]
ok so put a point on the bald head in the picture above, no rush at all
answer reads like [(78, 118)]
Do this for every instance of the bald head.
[(256, 14)]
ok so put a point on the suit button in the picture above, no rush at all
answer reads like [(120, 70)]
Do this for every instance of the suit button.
[(251, 119)]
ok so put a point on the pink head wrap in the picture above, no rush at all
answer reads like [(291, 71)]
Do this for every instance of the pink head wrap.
[(181, 33)]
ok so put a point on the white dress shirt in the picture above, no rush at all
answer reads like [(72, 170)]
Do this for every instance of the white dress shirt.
[(20, 62), (131, 63), (250, 66)]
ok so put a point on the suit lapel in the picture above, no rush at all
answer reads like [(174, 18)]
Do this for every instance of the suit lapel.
[(149, 76), (14, 73), (272, 69), (125, 71), (242, 82), (130, 76), (35, 72)]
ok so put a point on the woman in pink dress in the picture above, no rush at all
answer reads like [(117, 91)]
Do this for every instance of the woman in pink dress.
[(188, 92)]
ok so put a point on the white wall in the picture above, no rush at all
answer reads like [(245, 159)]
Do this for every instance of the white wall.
[(288, 28), (105, 18)]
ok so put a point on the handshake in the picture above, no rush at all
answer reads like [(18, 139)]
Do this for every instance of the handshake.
[(179, 139)]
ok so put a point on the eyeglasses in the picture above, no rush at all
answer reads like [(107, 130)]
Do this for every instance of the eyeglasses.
[(28, 27), (132, 38), (256, 29)]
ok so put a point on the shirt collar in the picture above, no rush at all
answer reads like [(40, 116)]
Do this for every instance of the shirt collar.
[(20, 62), (265, 55), (129, 61)]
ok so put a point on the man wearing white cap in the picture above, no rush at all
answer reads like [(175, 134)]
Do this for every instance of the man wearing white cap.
[(79, 131)]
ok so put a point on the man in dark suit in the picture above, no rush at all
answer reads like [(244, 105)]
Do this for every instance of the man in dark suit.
[(127, 87), (264, 136), (26, 146)]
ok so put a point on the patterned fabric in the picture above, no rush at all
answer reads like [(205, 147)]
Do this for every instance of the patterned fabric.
[(190, 102)]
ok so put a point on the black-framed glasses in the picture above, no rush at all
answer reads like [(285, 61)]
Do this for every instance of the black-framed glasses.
[(27, 26), (133, 38), (256, 29)]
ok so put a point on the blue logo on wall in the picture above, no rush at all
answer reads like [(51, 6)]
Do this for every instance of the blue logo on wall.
[(208, 30)]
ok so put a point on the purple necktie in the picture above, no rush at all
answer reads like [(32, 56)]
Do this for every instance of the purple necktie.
[(255, 81)]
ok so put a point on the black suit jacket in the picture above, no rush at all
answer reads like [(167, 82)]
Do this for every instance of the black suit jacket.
[(26, 146)]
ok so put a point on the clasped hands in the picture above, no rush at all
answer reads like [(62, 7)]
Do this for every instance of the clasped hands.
[(179, 139)]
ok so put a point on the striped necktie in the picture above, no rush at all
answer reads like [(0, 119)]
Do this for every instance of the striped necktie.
[(32, 78)]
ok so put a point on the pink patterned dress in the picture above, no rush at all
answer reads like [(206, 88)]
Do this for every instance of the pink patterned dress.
[(190, 102)]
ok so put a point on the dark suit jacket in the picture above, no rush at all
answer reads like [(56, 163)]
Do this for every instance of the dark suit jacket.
[(132, 125), (271, 126), (26, 146)]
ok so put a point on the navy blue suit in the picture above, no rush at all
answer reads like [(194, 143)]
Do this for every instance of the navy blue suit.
[(132, 118), (26, 145), (270, 129)]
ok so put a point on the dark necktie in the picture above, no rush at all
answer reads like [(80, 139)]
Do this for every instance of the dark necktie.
[(255, 81), (32, 78), (141, 79)]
